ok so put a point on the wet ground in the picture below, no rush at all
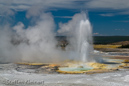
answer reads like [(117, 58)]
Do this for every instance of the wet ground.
[(25, 75), (10, 76)]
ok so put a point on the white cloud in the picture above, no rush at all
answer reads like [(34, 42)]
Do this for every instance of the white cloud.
[(108, 15), (108, 4), (119, 6), (63, 16), (22, 4), (124, 12), (95, 33), (36, 6)]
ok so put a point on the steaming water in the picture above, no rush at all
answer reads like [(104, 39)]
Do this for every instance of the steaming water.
[(37, 43), (79, 32), (84, 39)]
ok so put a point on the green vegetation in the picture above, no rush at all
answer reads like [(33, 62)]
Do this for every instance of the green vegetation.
[(109, 39), (124, 46)]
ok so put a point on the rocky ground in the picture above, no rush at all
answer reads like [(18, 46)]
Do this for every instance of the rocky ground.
[(45, 75), (11, 76)]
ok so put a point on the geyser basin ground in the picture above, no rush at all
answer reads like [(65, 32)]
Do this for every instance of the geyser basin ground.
[(46, 73), (74, 67), (9, 72)]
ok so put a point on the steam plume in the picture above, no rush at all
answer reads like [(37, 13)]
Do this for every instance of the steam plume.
[(33, 44)]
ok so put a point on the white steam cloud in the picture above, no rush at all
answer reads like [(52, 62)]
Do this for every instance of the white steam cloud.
[(33, 44), (37, 42), (79, 32)]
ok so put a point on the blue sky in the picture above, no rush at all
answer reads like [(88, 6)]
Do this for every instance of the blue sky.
[(108, 17)]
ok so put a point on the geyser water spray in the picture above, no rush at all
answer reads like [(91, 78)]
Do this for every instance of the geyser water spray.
[(79, 32), (84, 39)]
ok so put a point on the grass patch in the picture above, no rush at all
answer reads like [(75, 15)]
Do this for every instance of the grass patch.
[(107, 46)]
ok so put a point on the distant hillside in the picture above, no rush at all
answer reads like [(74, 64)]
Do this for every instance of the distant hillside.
[(121, 43), (101, 39), (109, 39)]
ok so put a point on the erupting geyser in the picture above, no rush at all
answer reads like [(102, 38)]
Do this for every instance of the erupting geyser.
[(84, 39), (79, 32)]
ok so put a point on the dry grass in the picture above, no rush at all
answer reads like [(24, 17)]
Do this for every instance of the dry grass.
[(107, 46)]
